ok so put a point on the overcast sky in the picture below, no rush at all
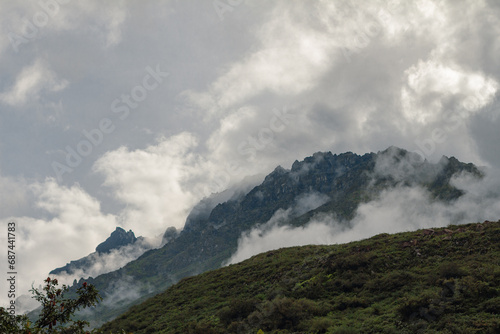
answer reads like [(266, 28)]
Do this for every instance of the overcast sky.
[(126, 113)]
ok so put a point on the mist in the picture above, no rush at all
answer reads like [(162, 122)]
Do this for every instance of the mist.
[(400, 209), (102, 263)]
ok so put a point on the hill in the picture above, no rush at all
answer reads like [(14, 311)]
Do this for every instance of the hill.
[(323, 183), (443, 280)]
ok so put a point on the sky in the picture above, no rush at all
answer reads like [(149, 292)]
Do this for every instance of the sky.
[(127, 113)]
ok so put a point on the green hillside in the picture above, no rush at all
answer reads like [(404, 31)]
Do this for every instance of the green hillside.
[(427, 281)]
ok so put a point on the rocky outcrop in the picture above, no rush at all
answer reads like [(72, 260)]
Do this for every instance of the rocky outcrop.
[(117, 239)]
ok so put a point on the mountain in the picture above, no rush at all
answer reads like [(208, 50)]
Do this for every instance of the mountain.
[(444, 280), (323, 183), (116, 240)]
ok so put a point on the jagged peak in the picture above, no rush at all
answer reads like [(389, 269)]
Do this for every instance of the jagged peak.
[(276, 172), (316, 158), (119, 237), (394, 151)]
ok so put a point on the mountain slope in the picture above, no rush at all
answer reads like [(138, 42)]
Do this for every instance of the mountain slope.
[(211, 233), (440, 280)]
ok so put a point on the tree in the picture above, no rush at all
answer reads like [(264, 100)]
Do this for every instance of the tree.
[(55, 317), (11, 324)]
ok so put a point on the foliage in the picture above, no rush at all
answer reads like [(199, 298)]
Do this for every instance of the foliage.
[(57, 311), (10, 323), (432, 281)]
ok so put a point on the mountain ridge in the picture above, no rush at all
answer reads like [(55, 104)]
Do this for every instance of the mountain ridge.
[(212, 230)]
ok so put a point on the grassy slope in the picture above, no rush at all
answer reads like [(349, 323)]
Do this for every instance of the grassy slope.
[(447, 282)]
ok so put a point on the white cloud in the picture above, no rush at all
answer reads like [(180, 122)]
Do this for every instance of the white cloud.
[(384, 73), (256, 242), (31, 82), (290, 59), (31, 21), (74, 225), (152, 182), (309, 201), (430, 84), (122, 289)]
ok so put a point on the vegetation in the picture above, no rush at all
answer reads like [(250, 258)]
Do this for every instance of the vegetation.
[(429, 281), (57, 311)]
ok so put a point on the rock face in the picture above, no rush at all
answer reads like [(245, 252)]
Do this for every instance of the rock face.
[(170, 234), (117, 239)]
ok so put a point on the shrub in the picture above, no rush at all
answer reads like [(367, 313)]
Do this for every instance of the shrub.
[(491, 305), (451, 270), (345, 330), (345, 302), (237, 310), (417, 307), (473, 288), (200, 328), (391, 281), (319, 325), (283, 313)]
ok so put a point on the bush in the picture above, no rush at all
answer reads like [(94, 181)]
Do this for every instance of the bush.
[(319, 325), (345, 302), (473, 288), (491, 305), (237, 310), (345, 330), (391, 281), (417, 307), (283, 313), (200, 328), (451, 270)]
